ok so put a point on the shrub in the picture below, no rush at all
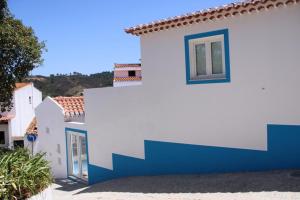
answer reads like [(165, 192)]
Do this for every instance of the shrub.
[(22, 175)]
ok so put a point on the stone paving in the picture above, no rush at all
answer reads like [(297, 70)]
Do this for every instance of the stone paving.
[(274, 185)]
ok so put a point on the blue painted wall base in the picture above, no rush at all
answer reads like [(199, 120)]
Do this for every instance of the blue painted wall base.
[(173, 158)]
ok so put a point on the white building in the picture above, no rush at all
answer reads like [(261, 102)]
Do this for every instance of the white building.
[(220, 93), (13, 124), (58, 120), (127, 75)]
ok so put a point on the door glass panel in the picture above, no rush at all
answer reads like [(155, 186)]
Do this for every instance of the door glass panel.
[(216, 57), (78, 157), (200, 59), (83, 157), (75, 156)]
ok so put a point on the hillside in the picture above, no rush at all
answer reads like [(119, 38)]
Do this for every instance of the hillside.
[(70, 84)]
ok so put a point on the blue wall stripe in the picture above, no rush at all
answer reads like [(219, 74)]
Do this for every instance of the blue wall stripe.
[(175, 158)]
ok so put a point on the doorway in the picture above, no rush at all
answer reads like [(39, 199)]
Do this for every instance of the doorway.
[(77, 154)]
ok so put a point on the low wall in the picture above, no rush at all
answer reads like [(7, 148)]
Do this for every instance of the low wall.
[(44, 195)]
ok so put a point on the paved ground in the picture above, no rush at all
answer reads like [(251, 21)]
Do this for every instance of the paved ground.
[(274, 185)]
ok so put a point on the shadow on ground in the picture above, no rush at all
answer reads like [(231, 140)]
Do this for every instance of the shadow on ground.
[(281, 181)]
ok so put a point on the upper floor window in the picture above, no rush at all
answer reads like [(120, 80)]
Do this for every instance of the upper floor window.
[(30, 100), (207, 57), (131, 73)]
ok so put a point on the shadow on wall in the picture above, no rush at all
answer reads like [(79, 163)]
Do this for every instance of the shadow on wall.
[(172, 158)]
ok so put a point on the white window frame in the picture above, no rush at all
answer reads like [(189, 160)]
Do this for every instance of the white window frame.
[(192, 49)]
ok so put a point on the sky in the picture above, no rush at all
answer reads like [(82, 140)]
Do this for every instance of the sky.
[(87, 36)]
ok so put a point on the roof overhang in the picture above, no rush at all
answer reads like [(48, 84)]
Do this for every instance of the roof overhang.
[(211, 14), (6, 118)]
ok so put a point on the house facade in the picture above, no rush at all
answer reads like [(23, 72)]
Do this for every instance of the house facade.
[(13, 124), (127, 75), (219, 94), (60, 123)]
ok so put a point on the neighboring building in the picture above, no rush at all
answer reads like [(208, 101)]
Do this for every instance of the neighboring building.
[(220, 93), (57, 120), (127, 75), (13, 124)]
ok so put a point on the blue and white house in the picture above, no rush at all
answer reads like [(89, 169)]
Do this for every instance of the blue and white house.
[(220, 93)]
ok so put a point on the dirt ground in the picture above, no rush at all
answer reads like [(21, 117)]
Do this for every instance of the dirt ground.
[(273, 185)]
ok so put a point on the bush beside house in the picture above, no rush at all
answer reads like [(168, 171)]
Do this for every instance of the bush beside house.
[(23, 175)]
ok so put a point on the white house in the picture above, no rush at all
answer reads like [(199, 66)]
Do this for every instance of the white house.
[(57, 120), (127, 75), (13, 124), (220, 93)]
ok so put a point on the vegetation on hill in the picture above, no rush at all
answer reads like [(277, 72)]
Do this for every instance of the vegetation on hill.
[(70, 84)]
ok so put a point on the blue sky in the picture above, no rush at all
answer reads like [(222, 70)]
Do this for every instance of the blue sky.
[(88, 36)]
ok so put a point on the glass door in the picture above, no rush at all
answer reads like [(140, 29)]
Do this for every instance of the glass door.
[(77, 159), (83, 158)]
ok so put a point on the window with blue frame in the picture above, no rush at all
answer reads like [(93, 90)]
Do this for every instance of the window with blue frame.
[(207, 57)]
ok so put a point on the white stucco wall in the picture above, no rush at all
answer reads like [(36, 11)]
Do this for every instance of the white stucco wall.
[(126, 83), (264, 59), (23, 109), (51, 135)]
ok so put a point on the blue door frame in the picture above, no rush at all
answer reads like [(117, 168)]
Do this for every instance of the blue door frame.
[(83, 132)]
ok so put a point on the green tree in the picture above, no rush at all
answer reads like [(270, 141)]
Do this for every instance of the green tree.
[(20, 53)]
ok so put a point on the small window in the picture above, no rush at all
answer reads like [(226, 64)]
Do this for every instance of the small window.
[(2, 137), (58, 148), (59, 160), (207, 57), (30, 100), (131, 73)]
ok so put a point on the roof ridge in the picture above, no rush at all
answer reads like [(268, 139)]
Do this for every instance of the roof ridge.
[(209, 14)]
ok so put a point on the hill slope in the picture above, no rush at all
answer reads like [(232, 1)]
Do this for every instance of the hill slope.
[(70, 84)]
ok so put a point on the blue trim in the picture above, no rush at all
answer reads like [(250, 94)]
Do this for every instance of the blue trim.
[(175, 158), (87, 149), (223, 32)]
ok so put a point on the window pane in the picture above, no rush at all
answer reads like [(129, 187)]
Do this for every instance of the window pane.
[(200, 59), (216, 57), (131, 73)]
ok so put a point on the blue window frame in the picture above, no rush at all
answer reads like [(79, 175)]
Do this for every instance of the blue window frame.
[(207, 57)]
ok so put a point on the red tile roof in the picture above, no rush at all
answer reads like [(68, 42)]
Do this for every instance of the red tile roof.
[(211, 14), (32, 128), (116, 79), (72, 105), (20, 85), (6, 118), (127, 65)]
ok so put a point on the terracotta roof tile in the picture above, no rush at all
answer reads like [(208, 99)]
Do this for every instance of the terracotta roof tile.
[(72, 105), (116, 79), (211, 14), (6, 118), (127, 65), (20, 85), (32, 128)]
